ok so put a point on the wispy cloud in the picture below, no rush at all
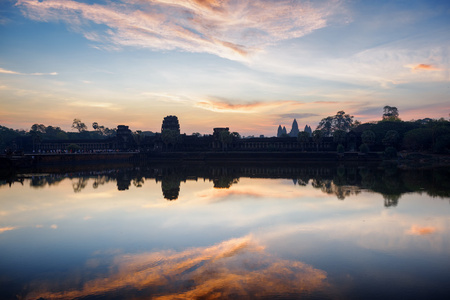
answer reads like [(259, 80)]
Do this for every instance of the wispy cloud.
[(4, 71), (227, 107), (228, 28), (105, 105), (297, 115)]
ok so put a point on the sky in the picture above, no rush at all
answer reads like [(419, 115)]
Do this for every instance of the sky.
[(246, 65)]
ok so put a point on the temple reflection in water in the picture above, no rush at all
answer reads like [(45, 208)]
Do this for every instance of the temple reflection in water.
[(340, 180)]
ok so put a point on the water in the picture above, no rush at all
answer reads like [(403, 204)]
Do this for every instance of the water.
[(221, 232)]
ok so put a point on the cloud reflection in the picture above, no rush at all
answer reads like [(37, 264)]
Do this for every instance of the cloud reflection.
[(3, 229), (238, 267)]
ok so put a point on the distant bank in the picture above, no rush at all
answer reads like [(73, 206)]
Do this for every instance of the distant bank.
[(31, 160)]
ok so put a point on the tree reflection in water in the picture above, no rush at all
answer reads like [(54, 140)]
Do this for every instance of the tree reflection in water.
[(339, 180)]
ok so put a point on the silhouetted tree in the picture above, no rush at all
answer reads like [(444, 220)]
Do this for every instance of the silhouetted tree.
[(390, 113), (78, 125), (418, 139), (340, 121), (38, 128), (326, 126), (364, 148), (317, 136), (339, 136), (73, 148), (390, 153), (302, 138), (235, 135), (368, 137), (391, 138)]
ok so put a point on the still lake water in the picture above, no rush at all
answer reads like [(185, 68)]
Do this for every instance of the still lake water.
[(216, 232)]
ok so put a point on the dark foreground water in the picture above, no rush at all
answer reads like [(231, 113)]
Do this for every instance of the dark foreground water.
[(223, 232)]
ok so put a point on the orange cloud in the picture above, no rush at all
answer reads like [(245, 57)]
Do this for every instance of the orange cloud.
[(424, 67), (238, 267), (417, 230), (221, 27)]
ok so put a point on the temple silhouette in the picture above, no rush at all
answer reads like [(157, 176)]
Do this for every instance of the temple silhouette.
[(282, 131), (171, 140)]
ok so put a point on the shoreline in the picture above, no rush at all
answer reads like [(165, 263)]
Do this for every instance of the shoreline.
[(12, 164)]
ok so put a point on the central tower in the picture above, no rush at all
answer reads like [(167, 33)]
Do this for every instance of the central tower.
[(170, 123)]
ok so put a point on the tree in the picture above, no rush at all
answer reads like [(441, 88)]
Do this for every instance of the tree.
[(340, 121), (78, 125), (418, 139), (368, 137), (364, 148), (38, 128), (339, 136), (390, 153), (326, 126), (73, 148), (390, 113), (235, 135), (302, 138), (101, 129), (356, 123), (317, 137), (391, 138)]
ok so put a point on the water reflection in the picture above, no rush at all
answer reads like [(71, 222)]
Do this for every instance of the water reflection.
[(233, 232), (236, 268), (341, 181)]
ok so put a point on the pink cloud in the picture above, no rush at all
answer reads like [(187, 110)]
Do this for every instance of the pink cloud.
[(224, 106), (423, 67)]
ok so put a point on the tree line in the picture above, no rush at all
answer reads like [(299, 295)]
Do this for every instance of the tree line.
[(390, 134)]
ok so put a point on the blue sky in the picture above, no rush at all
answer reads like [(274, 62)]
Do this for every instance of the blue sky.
[(248, 65)]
